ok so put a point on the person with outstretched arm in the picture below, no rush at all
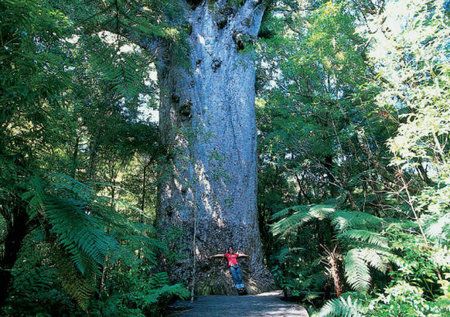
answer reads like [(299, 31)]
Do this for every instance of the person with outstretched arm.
[(235, 269)]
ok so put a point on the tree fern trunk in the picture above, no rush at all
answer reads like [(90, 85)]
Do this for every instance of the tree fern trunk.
[(207, 122), (333, 262)]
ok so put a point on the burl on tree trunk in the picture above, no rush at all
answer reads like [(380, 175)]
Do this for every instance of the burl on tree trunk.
[(207, 194)]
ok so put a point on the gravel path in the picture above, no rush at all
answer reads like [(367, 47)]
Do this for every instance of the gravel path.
[(266, 304)]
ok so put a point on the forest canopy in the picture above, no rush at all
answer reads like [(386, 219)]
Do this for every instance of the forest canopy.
[(344, 109)]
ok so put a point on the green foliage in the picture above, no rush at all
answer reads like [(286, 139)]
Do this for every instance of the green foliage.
[(77, 157), (356, 265), (353, 123), (344, 306), (353, 112), (84, 242), (370, 237), (364, 248), (302, 215)]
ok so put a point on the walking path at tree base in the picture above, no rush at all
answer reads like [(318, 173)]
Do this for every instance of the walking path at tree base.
[(265, 304)]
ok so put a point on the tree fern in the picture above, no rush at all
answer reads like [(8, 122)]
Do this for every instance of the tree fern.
[(85, 230), (358, 235)]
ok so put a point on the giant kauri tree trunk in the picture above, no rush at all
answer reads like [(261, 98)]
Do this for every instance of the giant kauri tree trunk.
[(207, 194)]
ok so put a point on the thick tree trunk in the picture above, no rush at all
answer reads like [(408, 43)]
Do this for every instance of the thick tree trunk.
[(207, 196)]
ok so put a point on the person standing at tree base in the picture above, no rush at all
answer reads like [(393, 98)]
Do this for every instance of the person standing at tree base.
[(233, 266)]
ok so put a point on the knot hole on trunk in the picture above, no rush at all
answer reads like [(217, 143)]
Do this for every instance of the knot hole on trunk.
[(239, 40), (175, 98), (215, 65), (185, 111), (222, 23)]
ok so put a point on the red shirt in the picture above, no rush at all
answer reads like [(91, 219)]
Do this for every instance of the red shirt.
[(231, 258)]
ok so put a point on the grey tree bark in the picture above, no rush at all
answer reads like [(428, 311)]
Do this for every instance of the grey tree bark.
[(207, 194)]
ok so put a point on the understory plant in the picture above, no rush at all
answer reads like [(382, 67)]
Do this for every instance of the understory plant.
[(86, 253), (373, 266)]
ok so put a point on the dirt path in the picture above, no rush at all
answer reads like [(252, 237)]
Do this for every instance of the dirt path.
[(266, 304)]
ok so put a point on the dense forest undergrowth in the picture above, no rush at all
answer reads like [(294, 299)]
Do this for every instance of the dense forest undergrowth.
[(353, 121)]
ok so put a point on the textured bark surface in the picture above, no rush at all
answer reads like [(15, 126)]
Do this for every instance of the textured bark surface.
[(207, 121)]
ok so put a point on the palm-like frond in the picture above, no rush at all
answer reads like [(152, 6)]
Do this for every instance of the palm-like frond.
[(78, 231), (79, 286), (286, 211), (357, 262), (344, 220), (157, 287), (302, 215), (64, 182), (356, 271), (166, 290), (35, 197), (85, 230), (358, 233), (366, 236), (341, 307)]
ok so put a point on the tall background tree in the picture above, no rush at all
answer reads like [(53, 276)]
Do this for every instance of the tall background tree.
[(349, 176), (76, 212)]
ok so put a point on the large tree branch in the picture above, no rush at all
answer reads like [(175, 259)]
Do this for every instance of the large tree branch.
[(248, 18)]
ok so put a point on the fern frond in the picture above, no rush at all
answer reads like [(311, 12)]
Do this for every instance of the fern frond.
[(77, 230), (374, 259), (356, 270), (286, 211), (367, 236), (357, 262), (303, 215), (64, 182), (345, 220), (321, 212), (35, 197), (154, 295), (84, 231), (78, 286), (157, 287), (341, 307), (158, 280), (286, 225)]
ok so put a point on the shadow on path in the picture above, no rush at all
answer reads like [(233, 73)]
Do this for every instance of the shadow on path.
[(265, 304)]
